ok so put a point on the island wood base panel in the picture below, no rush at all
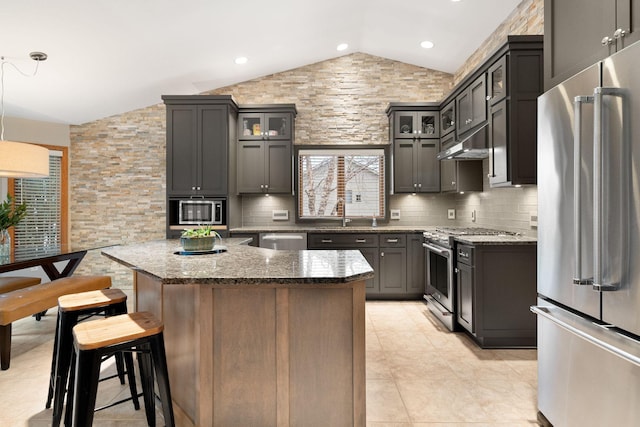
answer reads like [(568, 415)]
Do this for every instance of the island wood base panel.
[(285, 355)]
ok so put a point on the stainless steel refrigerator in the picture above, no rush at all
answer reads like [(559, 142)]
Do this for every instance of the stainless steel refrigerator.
[(589, 246)]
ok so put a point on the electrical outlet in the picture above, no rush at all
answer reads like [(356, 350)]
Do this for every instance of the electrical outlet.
[(395, 213), (280, 215), (451, 214), (473, 215), (533, 221)]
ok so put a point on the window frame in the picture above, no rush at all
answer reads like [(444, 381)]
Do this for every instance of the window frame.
[(332, 149)]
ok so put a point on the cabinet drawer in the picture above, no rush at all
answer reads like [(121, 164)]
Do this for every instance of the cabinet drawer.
[(392, 240), (464, 255), (341, 240)]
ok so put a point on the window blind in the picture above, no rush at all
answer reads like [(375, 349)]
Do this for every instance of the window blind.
[(329, 175), (42, 225)]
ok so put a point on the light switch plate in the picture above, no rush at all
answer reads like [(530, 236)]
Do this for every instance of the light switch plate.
[(533, 220), (395, 213), (280, 215), (451, 213)]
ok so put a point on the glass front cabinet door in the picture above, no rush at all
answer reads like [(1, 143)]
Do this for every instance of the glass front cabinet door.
[(422, 124), (448, 118), (497, 75), (264, 126)]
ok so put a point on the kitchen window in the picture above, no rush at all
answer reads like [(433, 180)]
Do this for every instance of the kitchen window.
[(333, 182)]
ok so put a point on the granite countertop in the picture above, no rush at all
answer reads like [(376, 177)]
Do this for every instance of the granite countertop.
[(241, 264), (332, 229), (469, 239), (497, 240)]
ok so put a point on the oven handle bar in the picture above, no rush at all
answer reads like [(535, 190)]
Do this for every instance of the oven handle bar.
[(440, 251)]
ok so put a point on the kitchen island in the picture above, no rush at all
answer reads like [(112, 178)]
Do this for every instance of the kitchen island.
[(256, 336)]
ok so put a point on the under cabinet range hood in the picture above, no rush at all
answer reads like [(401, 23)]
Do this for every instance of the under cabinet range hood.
[(473, 146)]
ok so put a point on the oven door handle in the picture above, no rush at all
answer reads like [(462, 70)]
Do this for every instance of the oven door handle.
[(440, 251)]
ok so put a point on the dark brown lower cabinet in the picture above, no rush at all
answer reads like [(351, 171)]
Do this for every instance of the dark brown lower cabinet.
[(396, 259), (496, 285), (393, 264)]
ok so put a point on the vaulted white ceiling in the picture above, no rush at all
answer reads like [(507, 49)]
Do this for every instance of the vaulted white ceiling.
[(111, 56)]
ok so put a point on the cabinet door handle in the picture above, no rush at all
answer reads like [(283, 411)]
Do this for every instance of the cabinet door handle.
[(392, 240), (419, 185), (327, 241), (361, 240), (453, 183), (606, 40), (381, 253), (266, 186), (489, 97), (619, 33)]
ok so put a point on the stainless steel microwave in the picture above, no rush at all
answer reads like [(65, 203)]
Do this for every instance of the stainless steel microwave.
[(201, 212)]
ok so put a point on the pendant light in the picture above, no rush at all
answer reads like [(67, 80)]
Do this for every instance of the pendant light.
[(21, 159)]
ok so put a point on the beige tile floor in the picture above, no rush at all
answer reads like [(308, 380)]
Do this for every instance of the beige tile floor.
[(418, 375)]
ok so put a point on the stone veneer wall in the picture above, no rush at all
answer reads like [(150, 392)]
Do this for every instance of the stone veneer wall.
[(526, 18), (117, 185)]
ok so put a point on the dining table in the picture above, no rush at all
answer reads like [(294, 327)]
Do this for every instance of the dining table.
[(45, 257)]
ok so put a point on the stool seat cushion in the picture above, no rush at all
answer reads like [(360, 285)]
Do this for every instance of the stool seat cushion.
[(25, 302), (114, 330), (12, 283), (91, 299)]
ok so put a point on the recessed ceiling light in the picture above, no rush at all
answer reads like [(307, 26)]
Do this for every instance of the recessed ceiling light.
[(342, 46), (241, 60), (426, 44), (455, 1)]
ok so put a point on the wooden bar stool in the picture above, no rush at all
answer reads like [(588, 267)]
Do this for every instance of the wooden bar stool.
[(139, 332), (72, 309)]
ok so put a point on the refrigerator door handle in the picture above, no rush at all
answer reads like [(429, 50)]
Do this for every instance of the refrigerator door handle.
[(591, 332), (598, 137), (577, 201)]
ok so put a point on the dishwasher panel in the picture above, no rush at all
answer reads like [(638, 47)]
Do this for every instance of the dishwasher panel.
[(284, 241)]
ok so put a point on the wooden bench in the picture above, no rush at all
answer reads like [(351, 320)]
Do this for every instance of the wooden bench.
[(11, 283), (25, 302)]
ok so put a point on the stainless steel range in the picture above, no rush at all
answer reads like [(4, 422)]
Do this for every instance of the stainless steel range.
[(440, 271)]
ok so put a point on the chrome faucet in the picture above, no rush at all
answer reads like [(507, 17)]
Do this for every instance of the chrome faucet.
[(345, 220)]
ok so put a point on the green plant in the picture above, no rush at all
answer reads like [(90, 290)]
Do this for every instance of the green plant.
[(200, 232), (11, 213)]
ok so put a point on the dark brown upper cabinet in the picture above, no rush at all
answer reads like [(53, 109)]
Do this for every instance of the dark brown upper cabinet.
[(471, 105), (500, 93), (415, 166), (265, 148), (513, 120), (198, 133), (579, 33)]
